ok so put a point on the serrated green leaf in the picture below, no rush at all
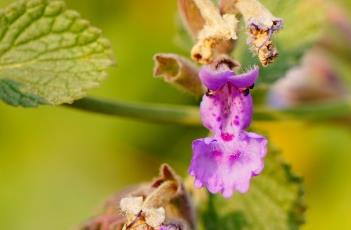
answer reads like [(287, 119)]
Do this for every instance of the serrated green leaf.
[(303, 26), (49, 52), (274, 201)]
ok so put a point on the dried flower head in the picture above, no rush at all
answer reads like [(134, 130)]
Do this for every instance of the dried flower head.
[(261, 25), (151, 206), (215, 34)]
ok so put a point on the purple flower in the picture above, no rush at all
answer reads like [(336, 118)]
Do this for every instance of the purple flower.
[(226, 161)]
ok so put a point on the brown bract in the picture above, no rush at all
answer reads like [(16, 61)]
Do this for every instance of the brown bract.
[(228, 7), (179, 72), (191, 17)]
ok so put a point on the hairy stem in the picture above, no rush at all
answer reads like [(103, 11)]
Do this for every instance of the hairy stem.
[(169, 114), (189, 115)]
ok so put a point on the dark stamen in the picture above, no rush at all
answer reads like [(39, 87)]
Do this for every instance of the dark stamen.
[(198, 56), (137, 218), (209, 93), (227, 62)]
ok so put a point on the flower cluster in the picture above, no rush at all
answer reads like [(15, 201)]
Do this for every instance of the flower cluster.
[(226, 161)]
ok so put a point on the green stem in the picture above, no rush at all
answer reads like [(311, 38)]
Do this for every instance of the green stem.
[(166, 114), (189, 115)]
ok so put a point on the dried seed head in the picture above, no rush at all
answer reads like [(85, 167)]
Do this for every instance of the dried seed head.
[(261, 25), (261, 43), (160, 203)]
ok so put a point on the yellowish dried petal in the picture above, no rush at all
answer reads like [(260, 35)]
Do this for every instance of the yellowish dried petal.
[(262, 45), (155, 217), (223, 29), (131, 205), (203, 50), (261, 26), (217, 30), (255, 12)]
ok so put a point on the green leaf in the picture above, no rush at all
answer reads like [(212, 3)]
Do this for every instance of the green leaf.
[(303, 27), (10, 93), (49, 54), (274, 201)]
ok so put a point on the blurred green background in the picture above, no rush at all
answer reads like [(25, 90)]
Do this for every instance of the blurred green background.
[(58, 165)]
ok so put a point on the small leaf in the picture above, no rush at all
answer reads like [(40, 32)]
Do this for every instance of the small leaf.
[(274, 201), (11, 94), (49, 54)]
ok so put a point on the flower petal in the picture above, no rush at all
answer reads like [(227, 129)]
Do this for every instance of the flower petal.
[(228, 160), (227, 169), (214, 80), (226, 111), (245, 80)]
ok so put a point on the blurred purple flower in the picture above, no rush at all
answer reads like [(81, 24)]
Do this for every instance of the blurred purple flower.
[(226, 161), (315, 80)]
